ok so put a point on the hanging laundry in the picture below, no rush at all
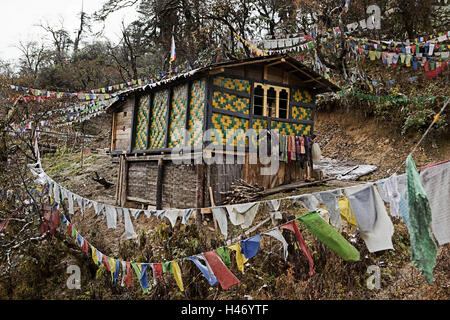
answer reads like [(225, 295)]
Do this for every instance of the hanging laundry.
[(250, 247), (205, 269), (225, 256), (346, 212), (275, 233), (240, 259), (225, 277), (331, 201), (436, 183), (423, 247), (292, 226), (129, 229), (221, 217), (243, 214), (176, 271), (308, 201), (111, 217), (330, 237)]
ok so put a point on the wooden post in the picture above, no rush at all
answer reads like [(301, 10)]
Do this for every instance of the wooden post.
[(119, 182), (159, 184), (213, 204), (200, 190), (123, 196)]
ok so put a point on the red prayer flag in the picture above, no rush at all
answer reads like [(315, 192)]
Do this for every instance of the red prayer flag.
[(128, 277), (225, 277), (157, 270), (292, 226), (85, 246), (106, 263), (69, 230)]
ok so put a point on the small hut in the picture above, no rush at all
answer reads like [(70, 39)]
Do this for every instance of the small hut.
[(275, 93)]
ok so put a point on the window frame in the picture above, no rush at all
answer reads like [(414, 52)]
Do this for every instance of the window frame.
[(278, 89)]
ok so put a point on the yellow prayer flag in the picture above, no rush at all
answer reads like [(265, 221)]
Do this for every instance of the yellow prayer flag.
[(177, 274), (346, 211), (240, 258), (94, 255)]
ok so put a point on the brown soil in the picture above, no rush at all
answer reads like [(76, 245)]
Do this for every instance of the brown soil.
[(351, 136)]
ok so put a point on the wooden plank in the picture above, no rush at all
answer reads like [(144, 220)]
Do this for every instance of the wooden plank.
[(114, 132)]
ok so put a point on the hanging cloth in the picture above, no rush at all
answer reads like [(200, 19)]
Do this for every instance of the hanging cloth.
[(423, 247), (275, 233), (331, 201), (111, 217), (250, 247), (436, 183), (225, 256), (243, 214), (177, 274), (225, 277), (157, 271), (221, 217), (129, 229), (346, 212), (330, 237), (308, 201), (205, 269), (292, 226), (363, 206), (240, 259)]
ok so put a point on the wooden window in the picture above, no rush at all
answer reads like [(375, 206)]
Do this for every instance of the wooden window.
[(258, 98), (271, 101)]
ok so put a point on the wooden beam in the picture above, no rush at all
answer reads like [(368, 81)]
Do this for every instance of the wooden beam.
[(213, 204), (275, 63), (216, 71)]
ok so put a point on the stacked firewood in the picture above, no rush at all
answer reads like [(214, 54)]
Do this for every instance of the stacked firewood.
[(242, 192)]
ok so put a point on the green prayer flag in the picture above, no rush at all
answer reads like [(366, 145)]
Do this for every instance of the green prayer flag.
[(423, 246), (330, 237), (167, 267), (225, 255)]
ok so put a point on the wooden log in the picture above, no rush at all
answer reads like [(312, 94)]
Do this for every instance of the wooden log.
[(159, 184), (123, 196)]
